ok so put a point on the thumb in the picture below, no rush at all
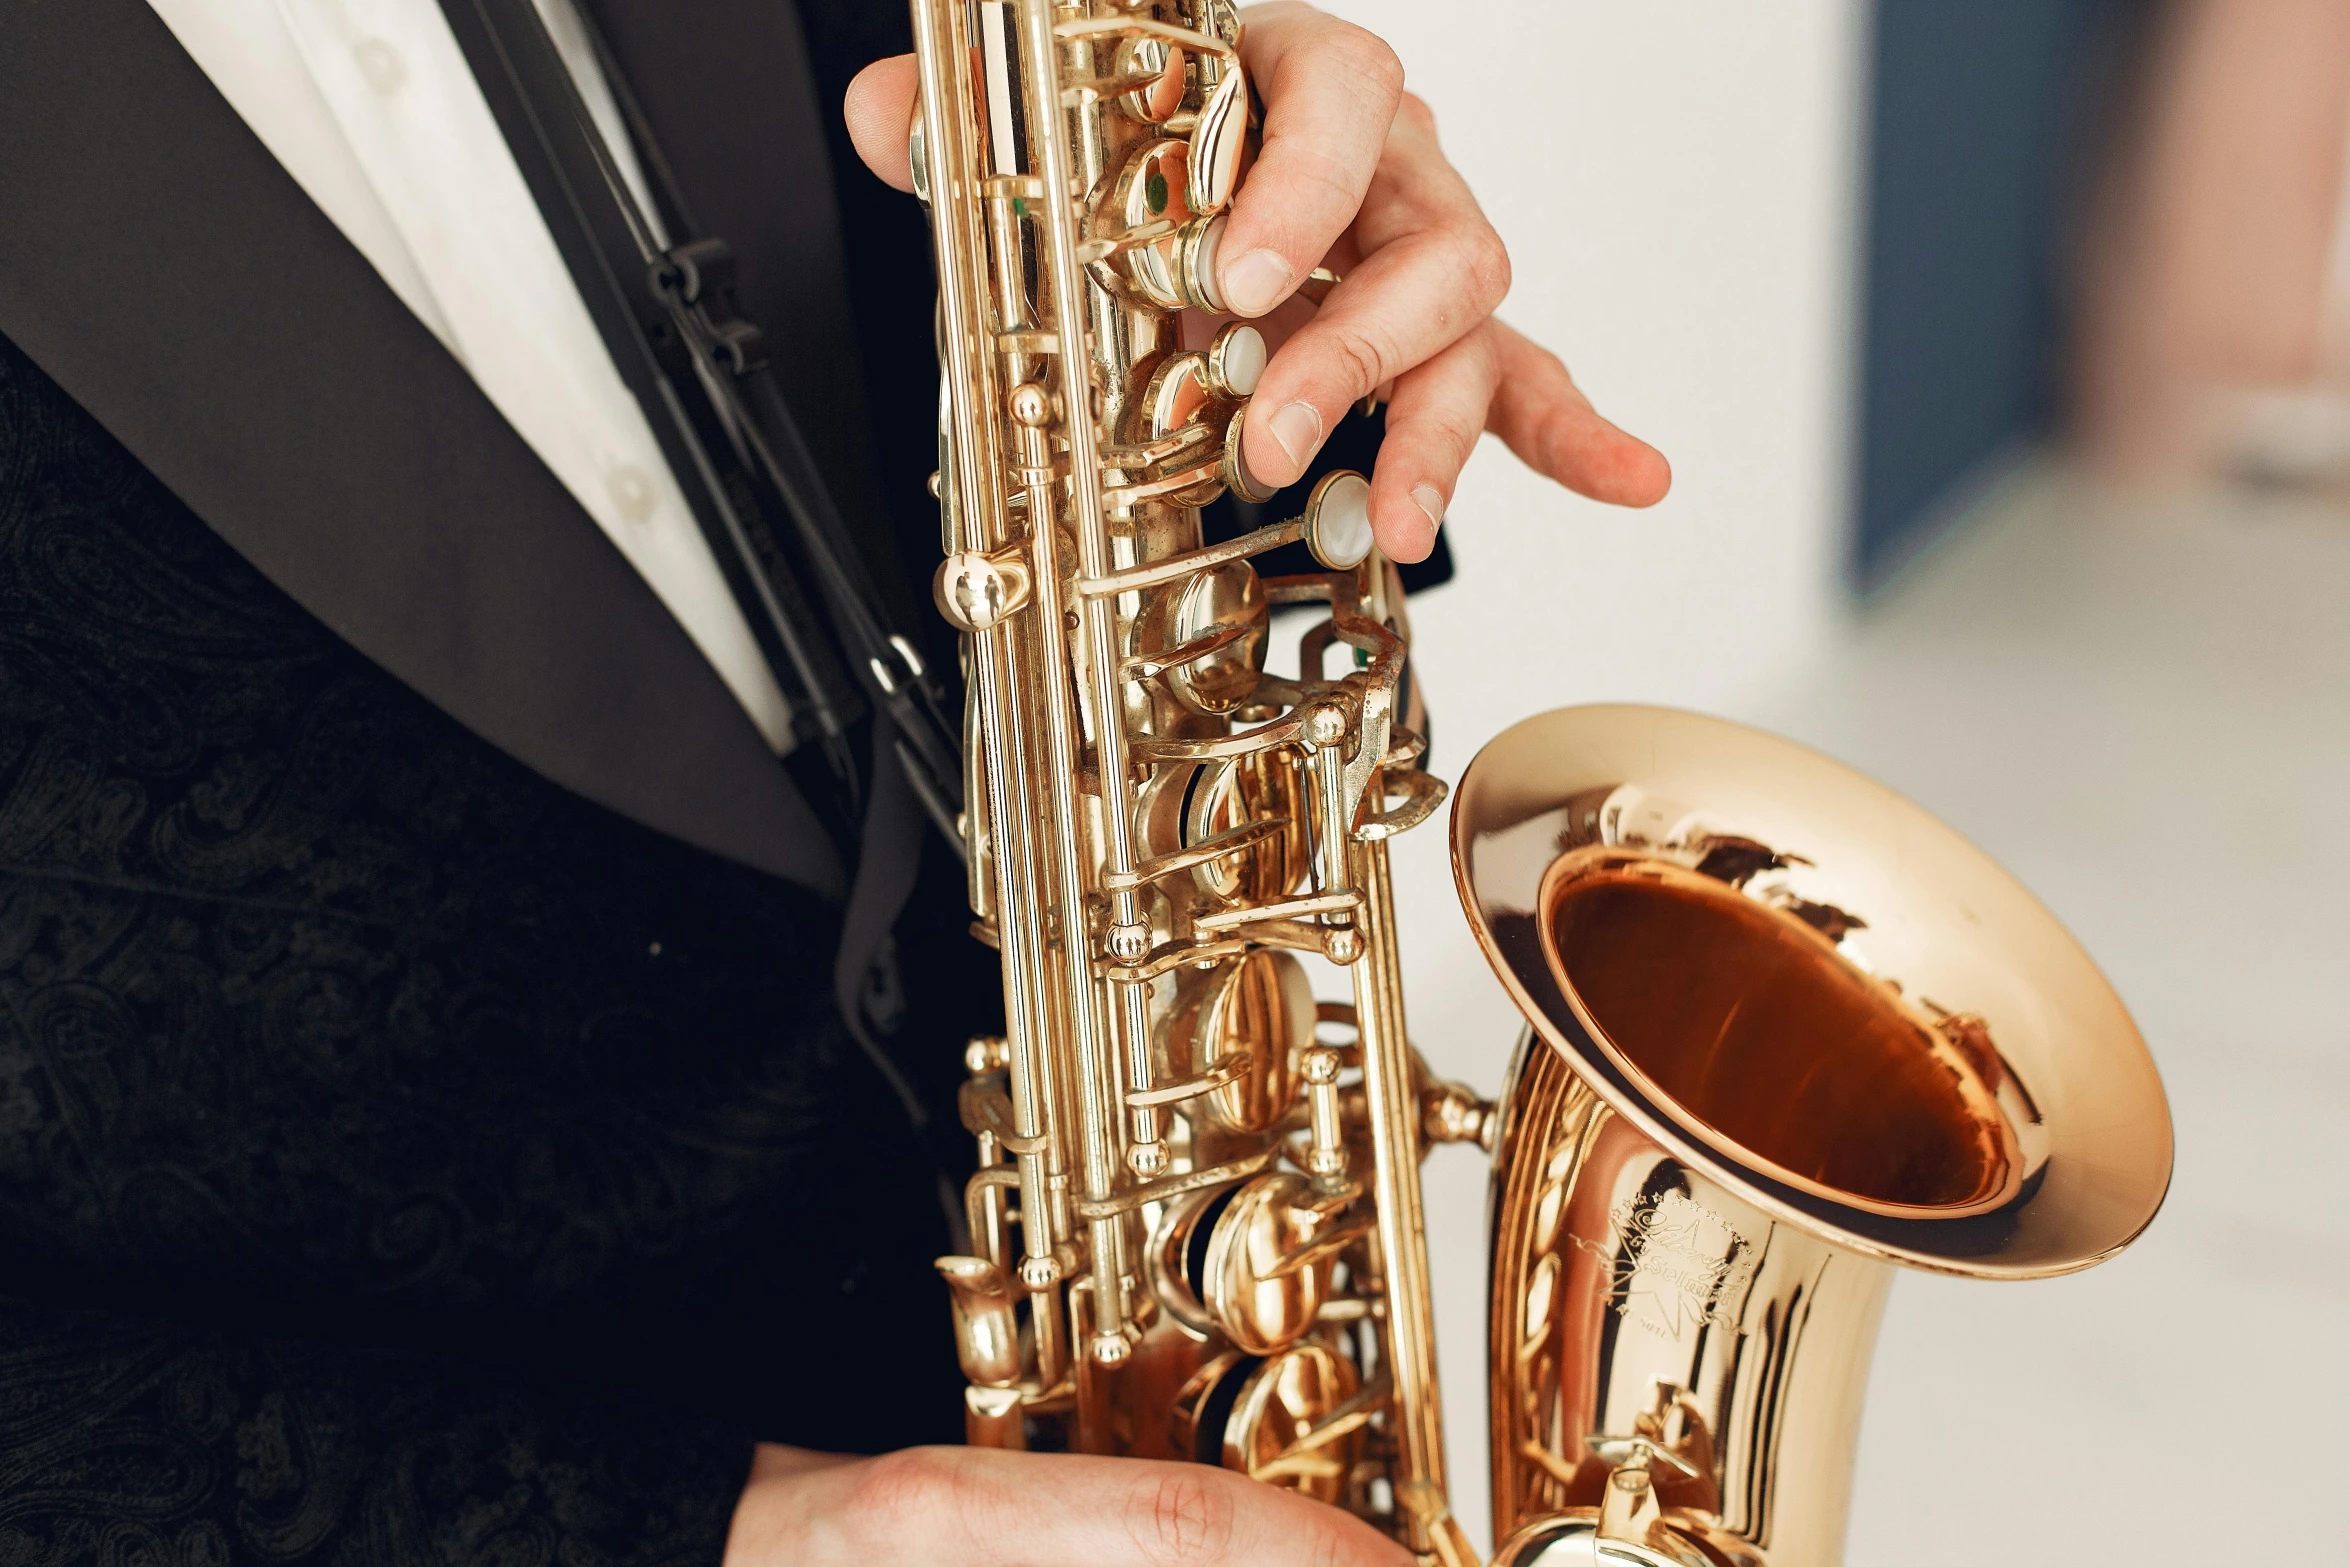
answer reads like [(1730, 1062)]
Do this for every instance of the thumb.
[(879, 109)]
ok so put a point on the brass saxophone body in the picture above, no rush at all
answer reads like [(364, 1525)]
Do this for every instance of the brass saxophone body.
[(1196, 1221), (1784, 1030)]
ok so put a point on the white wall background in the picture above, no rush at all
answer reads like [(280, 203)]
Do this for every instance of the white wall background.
[(1675, 181)]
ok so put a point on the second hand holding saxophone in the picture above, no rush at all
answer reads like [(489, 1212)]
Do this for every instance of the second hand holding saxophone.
[(1196, 1225)]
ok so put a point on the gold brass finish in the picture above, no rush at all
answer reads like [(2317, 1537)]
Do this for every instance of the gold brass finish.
[(1256, 1010), (1196, 1222), (1784, 1029), (1292, 1425)]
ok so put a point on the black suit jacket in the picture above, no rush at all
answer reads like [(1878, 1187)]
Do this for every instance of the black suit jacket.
[(163, 268), (428, 1124)]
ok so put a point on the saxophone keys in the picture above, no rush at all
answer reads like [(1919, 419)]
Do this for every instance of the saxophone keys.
[(1219, 19), (1266, 1267), (987, 1330), (1152, 194), (1191, 261), (1217, 141), (1181, 400), (1240, 1029), (1237, 360), (1198, 805), (1177, 391), (1238, 477), (1163, 71), (976, 590), (1338, 520), (1289, 1419), (1224, 611)]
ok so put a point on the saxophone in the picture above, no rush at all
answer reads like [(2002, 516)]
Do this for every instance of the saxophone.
[(1783, 1029), (1196, 1221)]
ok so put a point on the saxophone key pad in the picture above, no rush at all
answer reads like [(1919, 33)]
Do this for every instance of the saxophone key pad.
[(1217, 143), (1226, 615), (1164, 71), (1153, 189), (1178, 390)]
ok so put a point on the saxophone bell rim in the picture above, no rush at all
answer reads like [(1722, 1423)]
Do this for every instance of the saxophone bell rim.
[(1932, 912)]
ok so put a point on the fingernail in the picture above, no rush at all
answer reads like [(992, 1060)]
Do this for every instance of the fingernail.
[(1431, 506), (1298, 429), (1253, 284)]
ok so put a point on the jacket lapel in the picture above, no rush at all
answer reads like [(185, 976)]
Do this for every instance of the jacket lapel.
[(161, 267)]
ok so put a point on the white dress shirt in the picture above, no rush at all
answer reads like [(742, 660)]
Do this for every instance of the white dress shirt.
[(370, 106)]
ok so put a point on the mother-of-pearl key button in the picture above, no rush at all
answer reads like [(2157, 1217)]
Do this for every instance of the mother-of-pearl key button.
[(1236, 360), (1338, 520)]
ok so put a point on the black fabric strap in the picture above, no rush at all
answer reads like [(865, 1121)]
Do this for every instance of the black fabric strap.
[(701, 373), (529, 92)]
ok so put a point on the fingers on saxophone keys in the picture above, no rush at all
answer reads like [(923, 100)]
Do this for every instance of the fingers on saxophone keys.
[(1399, 308), (1330, 91), (1406, 303)]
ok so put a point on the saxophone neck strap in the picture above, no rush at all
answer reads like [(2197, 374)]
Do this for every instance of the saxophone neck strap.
[(662, 298)]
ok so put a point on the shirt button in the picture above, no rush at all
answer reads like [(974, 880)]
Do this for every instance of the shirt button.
[(631, 489), (381, 64)]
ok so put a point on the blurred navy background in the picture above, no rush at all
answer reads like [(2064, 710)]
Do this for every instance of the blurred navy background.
[(1983, 122)]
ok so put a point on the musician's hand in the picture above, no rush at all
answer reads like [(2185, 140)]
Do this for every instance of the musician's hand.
[(1350, 176), (972, 1507)]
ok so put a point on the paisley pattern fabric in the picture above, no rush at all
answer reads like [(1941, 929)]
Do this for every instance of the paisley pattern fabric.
[(378, 1120), (137, 1445)]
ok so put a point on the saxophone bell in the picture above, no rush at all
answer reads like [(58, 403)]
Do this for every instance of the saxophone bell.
[(1785, 1032)]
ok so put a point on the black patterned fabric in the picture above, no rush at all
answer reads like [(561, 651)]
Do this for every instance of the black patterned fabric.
[(401, 1159), (134, 1444)]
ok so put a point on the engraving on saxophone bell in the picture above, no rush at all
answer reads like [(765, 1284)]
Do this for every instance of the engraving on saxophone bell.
[(1674, 1264)]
